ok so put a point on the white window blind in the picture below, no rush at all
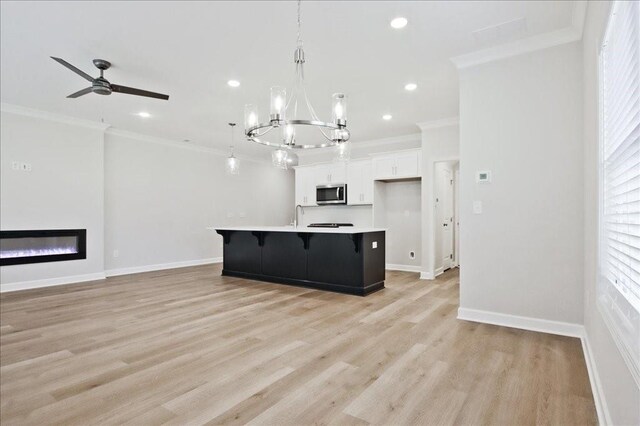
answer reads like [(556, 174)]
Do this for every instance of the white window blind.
[(619, 281)]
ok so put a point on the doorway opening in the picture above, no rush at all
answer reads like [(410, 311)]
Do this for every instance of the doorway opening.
[(447, 230)]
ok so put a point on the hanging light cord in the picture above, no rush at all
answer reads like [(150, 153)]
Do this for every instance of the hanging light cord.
[(299, 22)]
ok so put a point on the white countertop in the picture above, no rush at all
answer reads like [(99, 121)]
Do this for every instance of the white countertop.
[(341, 230)]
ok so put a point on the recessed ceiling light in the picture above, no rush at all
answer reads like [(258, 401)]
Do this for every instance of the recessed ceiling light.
[(387, 117), (410, 87), (233, 83), (399, 22), (144, 114)]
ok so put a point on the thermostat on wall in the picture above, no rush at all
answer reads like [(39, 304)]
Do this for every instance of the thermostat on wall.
[(483, 177)]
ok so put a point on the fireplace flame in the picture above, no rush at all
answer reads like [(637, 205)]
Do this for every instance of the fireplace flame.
[(6, 254)]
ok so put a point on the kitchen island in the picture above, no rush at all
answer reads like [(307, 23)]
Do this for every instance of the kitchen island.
[(346, 260)]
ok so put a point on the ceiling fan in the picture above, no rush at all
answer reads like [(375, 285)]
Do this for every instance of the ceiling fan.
[(101, 85)]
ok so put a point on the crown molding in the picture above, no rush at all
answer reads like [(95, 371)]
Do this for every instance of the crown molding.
[(58, 118), (436, 124), (412, 137), (113, 131), (109, 130), (529, 44)]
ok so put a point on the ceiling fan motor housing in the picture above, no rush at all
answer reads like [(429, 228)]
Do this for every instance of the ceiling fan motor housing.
[(101, 86)]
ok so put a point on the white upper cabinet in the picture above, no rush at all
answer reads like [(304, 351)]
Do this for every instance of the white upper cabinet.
[(306, 186), (399, 165), (359, 182), (331, 173)]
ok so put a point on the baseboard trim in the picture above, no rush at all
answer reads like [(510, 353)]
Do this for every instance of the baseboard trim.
[(404, 268), (604, 417), (51, 282), (427, 276), (525, 323), (161, 266), (439, 271)]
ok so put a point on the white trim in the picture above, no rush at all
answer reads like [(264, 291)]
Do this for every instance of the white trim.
[(45, 115), (604, 417), (405, 268), (413, 137), (427, 276), (436, 124), (525, 323), (161, 266), (552, 327), (518, 47), (439, 271), (579, 15), (176, 144), (51, 282)]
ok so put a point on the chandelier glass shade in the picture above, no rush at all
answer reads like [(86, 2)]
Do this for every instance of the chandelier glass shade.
[(284, 118), (279, 159)]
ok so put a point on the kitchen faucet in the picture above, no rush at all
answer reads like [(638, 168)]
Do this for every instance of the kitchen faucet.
[(295, 215)]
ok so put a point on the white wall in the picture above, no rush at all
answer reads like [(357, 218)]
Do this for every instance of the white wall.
[(160, 198), (620, 393), (440, 141), (148, 198), (360, 216), (401, 217), (521, 118), (63, 190)]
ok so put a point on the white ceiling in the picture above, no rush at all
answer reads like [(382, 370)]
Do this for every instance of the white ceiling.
[(190, 49)]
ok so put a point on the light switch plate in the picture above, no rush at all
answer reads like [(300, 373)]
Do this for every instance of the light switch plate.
[(477, 207)]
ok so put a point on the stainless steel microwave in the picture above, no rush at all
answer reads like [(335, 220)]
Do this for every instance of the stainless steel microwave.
[(331, 194)]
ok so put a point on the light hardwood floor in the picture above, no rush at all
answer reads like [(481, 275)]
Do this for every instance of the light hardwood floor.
[(188, 346)]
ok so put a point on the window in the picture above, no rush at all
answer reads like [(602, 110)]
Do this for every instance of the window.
[(619, 246)]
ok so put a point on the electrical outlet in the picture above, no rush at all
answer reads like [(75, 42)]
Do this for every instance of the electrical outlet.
[(374, 245), (116, 253)]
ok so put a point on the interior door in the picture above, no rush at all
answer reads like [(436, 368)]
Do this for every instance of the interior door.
[(447, 218)]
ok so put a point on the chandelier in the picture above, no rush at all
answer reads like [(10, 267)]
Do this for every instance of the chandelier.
[(284, 118)]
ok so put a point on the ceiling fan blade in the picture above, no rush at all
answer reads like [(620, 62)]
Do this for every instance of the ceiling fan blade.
[(80, 93), (74, 69), (138, 92)]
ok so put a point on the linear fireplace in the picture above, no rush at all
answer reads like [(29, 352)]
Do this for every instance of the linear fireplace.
[(35, 246)]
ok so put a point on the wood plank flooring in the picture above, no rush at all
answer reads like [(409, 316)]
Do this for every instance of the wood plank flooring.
[(188, 346)]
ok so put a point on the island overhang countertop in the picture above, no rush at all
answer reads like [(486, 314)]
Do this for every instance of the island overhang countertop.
[(341, 230)]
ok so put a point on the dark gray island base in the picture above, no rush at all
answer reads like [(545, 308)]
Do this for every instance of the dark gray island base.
[(342, 261)]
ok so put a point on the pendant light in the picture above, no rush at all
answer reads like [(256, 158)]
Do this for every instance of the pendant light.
[(233, 165)]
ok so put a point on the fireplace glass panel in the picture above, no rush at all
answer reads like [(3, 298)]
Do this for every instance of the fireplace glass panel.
[(48, 245), (38, 246)]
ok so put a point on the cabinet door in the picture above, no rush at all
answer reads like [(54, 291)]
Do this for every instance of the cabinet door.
[(407, 165), (305, 186), (337, 172), (367, 183), (322, 175), (354, 182), (383, 167)]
